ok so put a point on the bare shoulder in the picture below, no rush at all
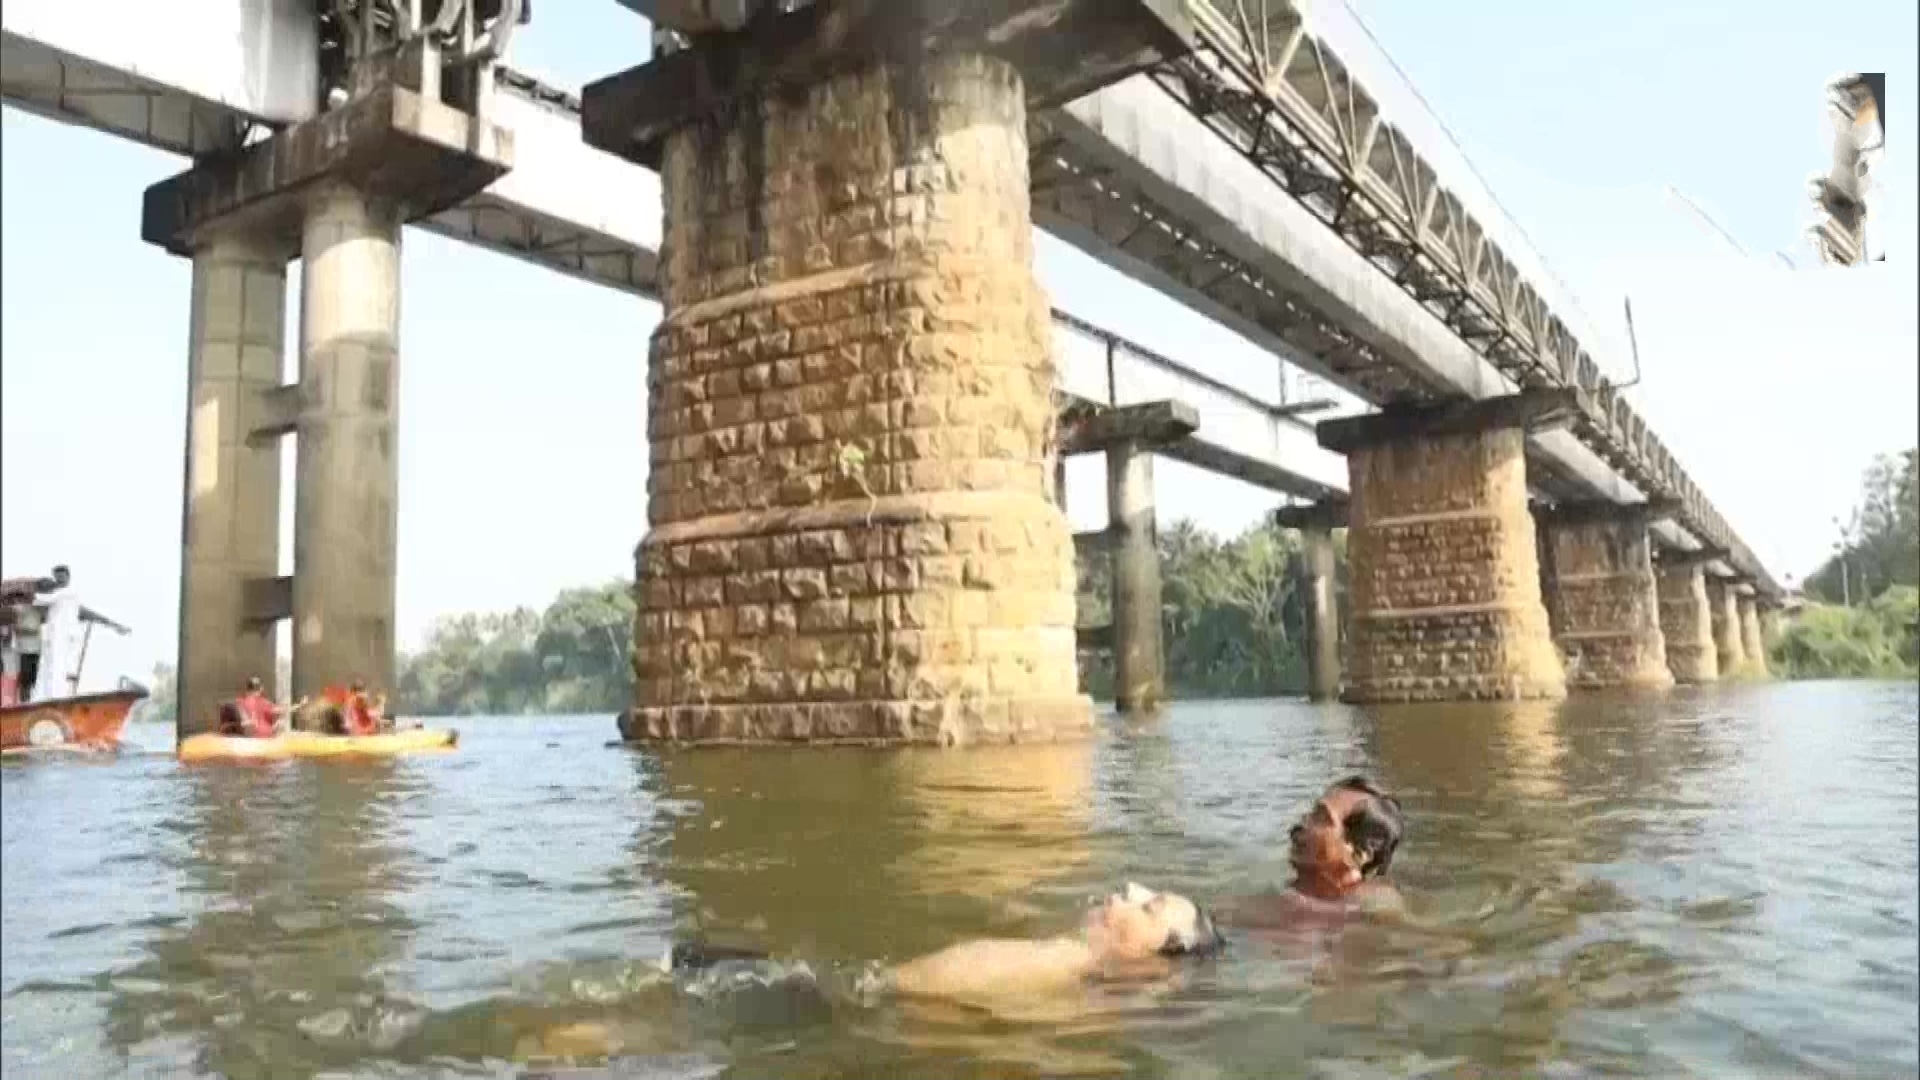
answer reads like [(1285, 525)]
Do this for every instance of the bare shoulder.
[(1264, 910), (1381, 898)]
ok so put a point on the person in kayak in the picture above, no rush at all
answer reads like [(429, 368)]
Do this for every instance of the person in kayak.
[(366, 714), (346, 711), (1340, 851), (377, 713), (253, 714)]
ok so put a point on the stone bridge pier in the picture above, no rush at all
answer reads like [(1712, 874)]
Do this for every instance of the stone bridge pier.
[(1753, 643), (1444, 573), (1601, 597), (850, 401), (1686, 615), (1723, 598), (334, 191)]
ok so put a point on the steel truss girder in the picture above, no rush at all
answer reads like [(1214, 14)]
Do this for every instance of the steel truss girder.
[(1071, 191), (1288, 104)]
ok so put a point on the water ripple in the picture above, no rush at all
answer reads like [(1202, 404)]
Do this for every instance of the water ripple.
[(1716, 885)]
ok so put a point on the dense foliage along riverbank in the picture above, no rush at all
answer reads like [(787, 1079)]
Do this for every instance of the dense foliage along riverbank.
[(1235, 622), (1863, 611)]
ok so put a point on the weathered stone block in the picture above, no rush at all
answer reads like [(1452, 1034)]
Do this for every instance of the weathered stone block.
[(1752, 645), (1445, 583), (1686, 623), (1723, 601), (1602, 603), (850, 412)]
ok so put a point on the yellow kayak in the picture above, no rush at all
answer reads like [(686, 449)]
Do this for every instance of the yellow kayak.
[(303, 744)]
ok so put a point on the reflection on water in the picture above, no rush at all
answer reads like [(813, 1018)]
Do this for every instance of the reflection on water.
[(1717, 883), (278, 970)]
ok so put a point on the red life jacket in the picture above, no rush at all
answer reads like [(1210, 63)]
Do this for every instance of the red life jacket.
[(359, 717), (258, 713)]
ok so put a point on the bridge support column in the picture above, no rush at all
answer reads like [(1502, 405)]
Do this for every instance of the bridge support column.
[(1128, 436), (230, 528), (1752, 644), (1316, 522), (852, 535), (346, 494), (337, 188), (1601, 598), (1139, 665), (1444, 573), (1686, 619), (1725, 601)]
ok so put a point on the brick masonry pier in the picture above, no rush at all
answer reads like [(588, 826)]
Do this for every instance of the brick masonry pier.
[(850, 402)]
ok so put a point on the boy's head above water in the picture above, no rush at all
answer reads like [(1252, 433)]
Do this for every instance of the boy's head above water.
[(1137, 922), (1347, 837)]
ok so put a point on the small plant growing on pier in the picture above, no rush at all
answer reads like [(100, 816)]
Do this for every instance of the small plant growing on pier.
[(851, 463)]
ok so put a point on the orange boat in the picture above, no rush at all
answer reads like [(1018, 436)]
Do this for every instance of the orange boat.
[(84, 722), (48, 719)]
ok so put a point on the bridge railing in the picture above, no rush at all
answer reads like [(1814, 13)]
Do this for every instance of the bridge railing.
[(1243, 435)]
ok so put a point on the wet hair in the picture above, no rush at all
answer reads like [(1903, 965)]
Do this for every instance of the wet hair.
[(253, 682), (1375, 828), (1203, 940)]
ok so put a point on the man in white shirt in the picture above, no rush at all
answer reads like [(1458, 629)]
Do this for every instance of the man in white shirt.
[(30, 630)]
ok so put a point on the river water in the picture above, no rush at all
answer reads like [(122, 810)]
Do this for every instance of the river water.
[(1719, 884)]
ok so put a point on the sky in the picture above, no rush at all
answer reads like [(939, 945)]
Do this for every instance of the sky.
[(523, 448)]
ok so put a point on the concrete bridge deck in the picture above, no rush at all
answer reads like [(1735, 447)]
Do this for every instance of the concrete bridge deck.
[(1285, 179), (564, 205)]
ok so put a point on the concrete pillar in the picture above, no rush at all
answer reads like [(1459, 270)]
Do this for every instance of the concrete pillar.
[(1601, 598), (336, 188), (1138, 663), (1443, 568), (1686, 621), (1315, 523), (230, 527), (346, 503), (1323, 616), (1752, 645), (1726, 627)]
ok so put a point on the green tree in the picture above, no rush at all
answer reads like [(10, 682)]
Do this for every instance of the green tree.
[(572, 657), (1877, 569), (162, 699), (1880, 545), (1875, 639), (1233, 615)]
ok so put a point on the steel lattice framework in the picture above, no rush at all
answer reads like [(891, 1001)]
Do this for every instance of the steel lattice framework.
[(1264, 83)]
